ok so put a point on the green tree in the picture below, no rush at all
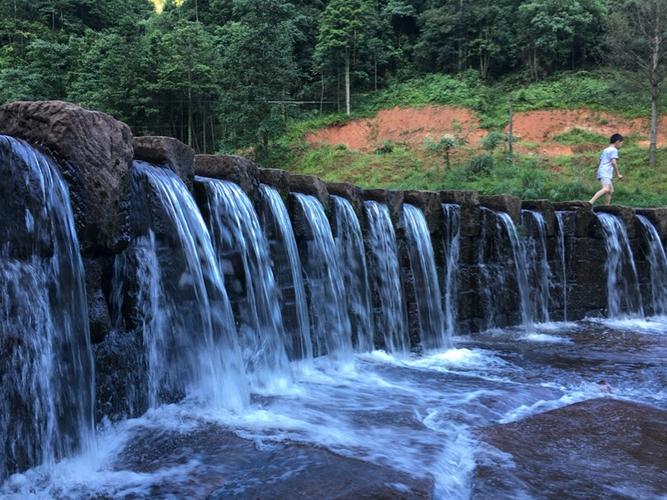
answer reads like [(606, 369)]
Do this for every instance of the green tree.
[(257, 73), (637, 41), (345, 27)]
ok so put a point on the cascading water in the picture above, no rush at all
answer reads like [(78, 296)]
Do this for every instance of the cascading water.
[(47, 390), (350, 245), (623, 295), (422, 264), (237, 236), (501, 258), (560, 251), (329, 319), (290, 274), (182, 307), (658, 266), (452, 240), (535, 248), (384, 277)]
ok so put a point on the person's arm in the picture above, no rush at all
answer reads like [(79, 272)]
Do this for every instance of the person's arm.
[(614, 162)]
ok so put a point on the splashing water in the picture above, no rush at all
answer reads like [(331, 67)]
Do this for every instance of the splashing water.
[(47, 390), (238, 237), (384, 275), (329, 319), (623, 295), (422, 263), (350, 245), (188, 328)]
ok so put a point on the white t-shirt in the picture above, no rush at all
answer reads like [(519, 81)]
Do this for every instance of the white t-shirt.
[(606, 167)]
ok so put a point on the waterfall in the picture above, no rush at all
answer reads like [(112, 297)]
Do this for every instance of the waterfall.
[(560, 251), (452, 240), (239, 239), (623, 295), (288, 273), (182, 306), (329, 320), (384, 277), (501, 258), (422, 264), (350, 245), (658, 266), (47, 391), (535, 248)]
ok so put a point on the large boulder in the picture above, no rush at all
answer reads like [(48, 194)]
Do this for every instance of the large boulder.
[(309, 184), (277, 179), (94, 152), (546, 208), (231, 168), (503, 203), (166, 151), (350, 192), (393, 199), (626, 214)]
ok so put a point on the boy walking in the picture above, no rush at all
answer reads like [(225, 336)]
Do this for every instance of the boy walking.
[(608, 164)]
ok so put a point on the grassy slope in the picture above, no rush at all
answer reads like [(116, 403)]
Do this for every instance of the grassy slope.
[(563, 178)]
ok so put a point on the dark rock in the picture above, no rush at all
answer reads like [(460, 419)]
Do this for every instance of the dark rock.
[(503, 203), (351, 193), (309, 184), (626, 214), (276, 178), (587, 225), (595, 448), (232, 168), (658, 216), (429, 202), (393, 199), (94, 152), (166, 151), (463, 197), (546, 208), (469, 202), (571, 205)]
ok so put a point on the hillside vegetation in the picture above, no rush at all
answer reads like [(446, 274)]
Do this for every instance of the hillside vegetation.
[(560, 167)]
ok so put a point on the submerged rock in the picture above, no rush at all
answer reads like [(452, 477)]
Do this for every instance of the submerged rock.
[(231, 467), (593, 449)]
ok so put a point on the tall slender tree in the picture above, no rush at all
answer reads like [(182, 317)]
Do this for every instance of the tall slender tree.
[(637, 40)]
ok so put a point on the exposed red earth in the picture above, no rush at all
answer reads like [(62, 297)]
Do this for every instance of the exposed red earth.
[(536, 130)]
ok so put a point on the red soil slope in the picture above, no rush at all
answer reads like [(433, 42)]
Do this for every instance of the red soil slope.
[(406, 125), (536, 129)]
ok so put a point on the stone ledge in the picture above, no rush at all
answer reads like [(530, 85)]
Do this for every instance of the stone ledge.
[(166, 150)]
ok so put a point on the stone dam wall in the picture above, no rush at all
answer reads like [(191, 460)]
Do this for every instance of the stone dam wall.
[(95, 154)]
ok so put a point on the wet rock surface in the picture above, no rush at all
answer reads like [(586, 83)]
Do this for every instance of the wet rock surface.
[(94, 153), (239, 468), (166, 151), (601, 448), (232, 168)]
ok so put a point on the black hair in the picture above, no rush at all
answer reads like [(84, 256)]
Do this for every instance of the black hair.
[(615, 138)]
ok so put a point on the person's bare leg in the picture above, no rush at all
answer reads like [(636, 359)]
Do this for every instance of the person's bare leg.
[(602, 191), (608, 197)]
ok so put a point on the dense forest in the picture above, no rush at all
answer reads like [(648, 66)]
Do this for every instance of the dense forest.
[(226, 75)]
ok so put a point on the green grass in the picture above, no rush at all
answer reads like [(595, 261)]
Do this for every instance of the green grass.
[(397, 166)]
